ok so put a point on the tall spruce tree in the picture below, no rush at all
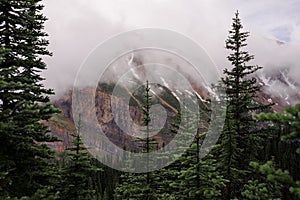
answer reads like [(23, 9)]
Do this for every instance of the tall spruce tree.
[(190, 177), (240, 138), (24, 101), (77, 176), (195, 178), (141, 186)]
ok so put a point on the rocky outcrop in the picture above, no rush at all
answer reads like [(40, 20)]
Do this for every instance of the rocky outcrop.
[(62, 125)]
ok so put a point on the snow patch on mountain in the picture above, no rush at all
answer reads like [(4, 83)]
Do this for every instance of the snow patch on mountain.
[(279, 84)]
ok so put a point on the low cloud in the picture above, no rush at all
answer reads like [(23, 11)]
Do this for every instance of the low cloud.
[(76, 27)]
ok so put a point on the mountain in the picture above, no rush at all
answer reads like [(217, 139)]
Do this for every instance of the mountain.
[(276, 87), (279, 87), (62, 125)]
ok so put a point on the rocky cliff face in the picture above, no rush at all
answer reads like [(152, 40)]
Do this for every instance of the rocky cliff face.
[(62, 125), (62, 128)]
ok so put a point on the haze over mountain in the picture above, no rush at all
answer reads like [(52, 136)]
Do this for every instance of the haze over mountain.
[(76, 27)]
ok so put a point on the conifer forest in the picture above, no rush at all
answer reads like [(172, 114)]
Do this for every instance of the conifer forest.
[(43, 156)]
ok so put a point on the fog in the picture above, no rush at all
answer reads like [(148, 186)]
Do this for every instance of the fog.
[(76, 27)]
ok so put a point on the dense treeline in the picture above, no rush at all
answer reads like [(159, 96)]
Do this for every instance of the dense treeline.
[(256, 157)]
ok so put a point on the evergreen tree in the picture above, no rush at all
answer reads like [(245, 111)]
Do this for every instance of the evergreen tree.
[(240, 138), (77, 175), (199, 177), (287, 185), (169, 186), (141, 186), (24, 101), (190, 177), (147, 143), (105, 181)]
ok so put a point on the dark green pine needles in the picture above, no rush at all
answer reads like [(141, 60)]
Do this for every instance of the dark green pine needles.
[(24, 101)]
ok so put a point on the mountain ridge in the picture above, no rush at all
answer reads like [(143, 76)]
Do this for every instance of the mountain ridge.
[(62, 124)]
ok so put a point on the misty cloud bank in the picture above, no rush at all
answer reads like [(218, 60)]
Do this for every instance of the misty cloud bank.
[(77, 27)]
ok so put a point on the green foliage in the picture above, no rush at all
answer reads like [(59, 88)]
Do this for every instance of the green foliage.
[(140, 186), (199, 178), (27, 166), (289, 120), (76, 175), (254, 190), (190, 177), (24, 102), (241, 138), (296, 189), (135, 186)]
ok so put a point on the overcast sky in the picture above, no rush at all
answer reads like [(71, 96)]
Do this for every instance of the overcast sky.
[(75, 27)]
